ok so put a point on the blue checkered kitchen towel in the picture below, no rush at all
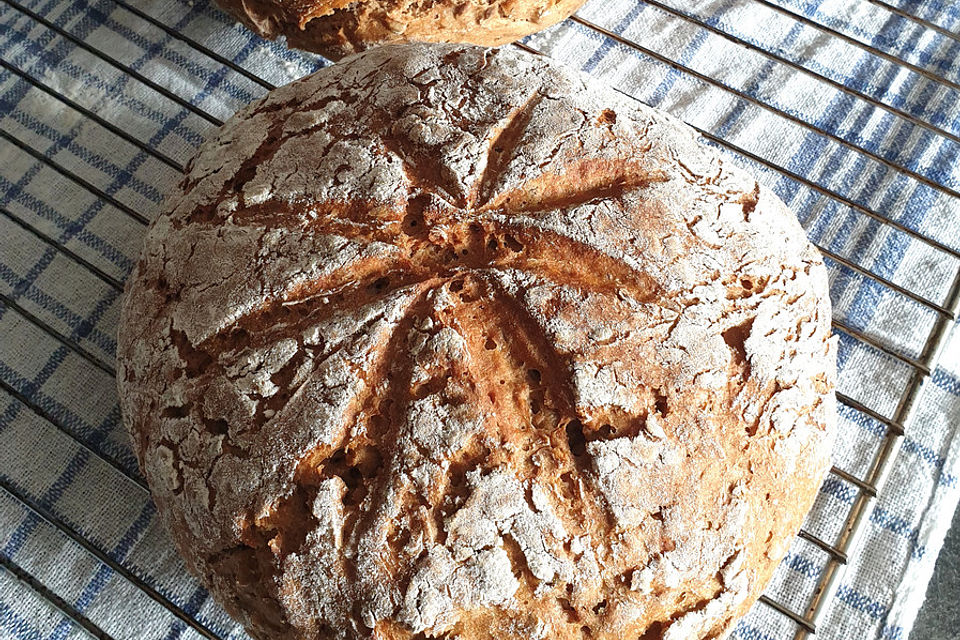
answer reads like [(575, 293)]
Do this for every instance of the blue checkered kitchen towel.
[(71, 227)]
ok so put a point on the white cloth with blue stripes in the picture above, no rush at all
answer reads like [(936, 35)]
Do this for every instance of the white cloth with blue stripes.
[(61, 442)]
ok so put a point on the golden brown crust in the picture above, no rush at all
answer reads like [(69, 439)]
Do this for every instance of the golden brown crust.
[(451, 342), (337, 28)]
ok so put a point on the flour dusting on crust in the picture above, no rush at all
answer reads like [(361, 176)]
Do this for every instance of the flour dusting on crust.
[(453, 342)]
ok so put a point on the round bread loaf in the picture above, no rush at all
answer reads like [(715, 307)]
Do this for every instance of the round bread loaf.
[(450, 342), (336, 28)]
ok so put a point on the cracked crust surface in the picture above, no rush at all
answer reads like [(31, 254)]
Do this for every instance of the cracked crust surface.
[(453, 342), (336, 28)]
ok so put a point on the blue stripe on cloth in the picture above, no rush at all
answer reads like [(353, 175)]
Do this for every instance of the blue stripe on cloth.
[(50, 496), (921, 200), (938, 8), (20, 285), (68, 143), (72, 228), (72, 468), (802, 565), (869, 292), (119, 181), (867, 298), (659, 93), (836, 165), (48, 303), (896, 243), (924, 453), (33, 51), (865, 422), (192, 608), (867, 84), (29, 524), (103, 574), (92, 18), (211, 81), (153, 50), (19, 187), (21, 629), (813, 146), (119, 553), (14, 190), (27, 386), (176, 120), (880, 39), (819, 225), (120, 178), (919, 103), (891, 255), (923, 97), (860, 602), (607, 44), (79, 460), (85, 326), (241, 94), (744, 631), (94, 436), (121, 98), (890, 37), (945, 157), (892, 633), (946, 381), (753, 88), (842, 492), (100, 579), (899, 526), (879, 517), (846, 345), (46, 36), (910, 445)]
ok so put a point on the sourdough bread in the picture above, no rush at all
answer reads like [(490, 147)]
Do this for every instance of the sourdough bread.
[(445, 341), (336, 28)]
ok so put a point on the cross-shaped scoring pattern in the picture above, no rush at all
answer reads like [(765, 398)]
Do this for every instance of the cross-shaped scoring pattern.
[(444, 340)]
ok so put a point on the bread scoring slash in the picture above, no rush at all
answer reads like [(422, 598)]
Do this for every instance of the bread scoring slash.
[(450, 342)]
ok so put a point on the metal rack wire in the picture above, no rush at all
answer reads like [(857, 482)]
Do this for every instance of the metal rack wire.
[(867, 485)]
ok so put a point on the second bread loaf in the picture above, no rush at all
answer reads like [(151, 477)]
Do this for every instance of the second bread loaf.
[(336, 28)]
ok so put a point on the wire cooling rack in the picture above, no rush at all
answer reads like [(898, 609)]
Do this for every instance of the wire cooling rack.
[(835, 543)]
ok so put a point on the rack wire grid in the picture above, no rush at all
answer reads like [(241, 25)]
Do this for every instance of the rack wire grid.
[(51, 81)]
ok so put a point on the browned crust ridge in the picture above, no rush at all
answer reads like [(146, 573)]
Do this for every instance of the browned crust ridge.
[(338, 28)]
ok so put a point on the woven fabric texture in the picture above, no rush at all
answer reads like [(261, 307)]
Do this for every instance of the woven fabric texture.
[(72, 220)]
